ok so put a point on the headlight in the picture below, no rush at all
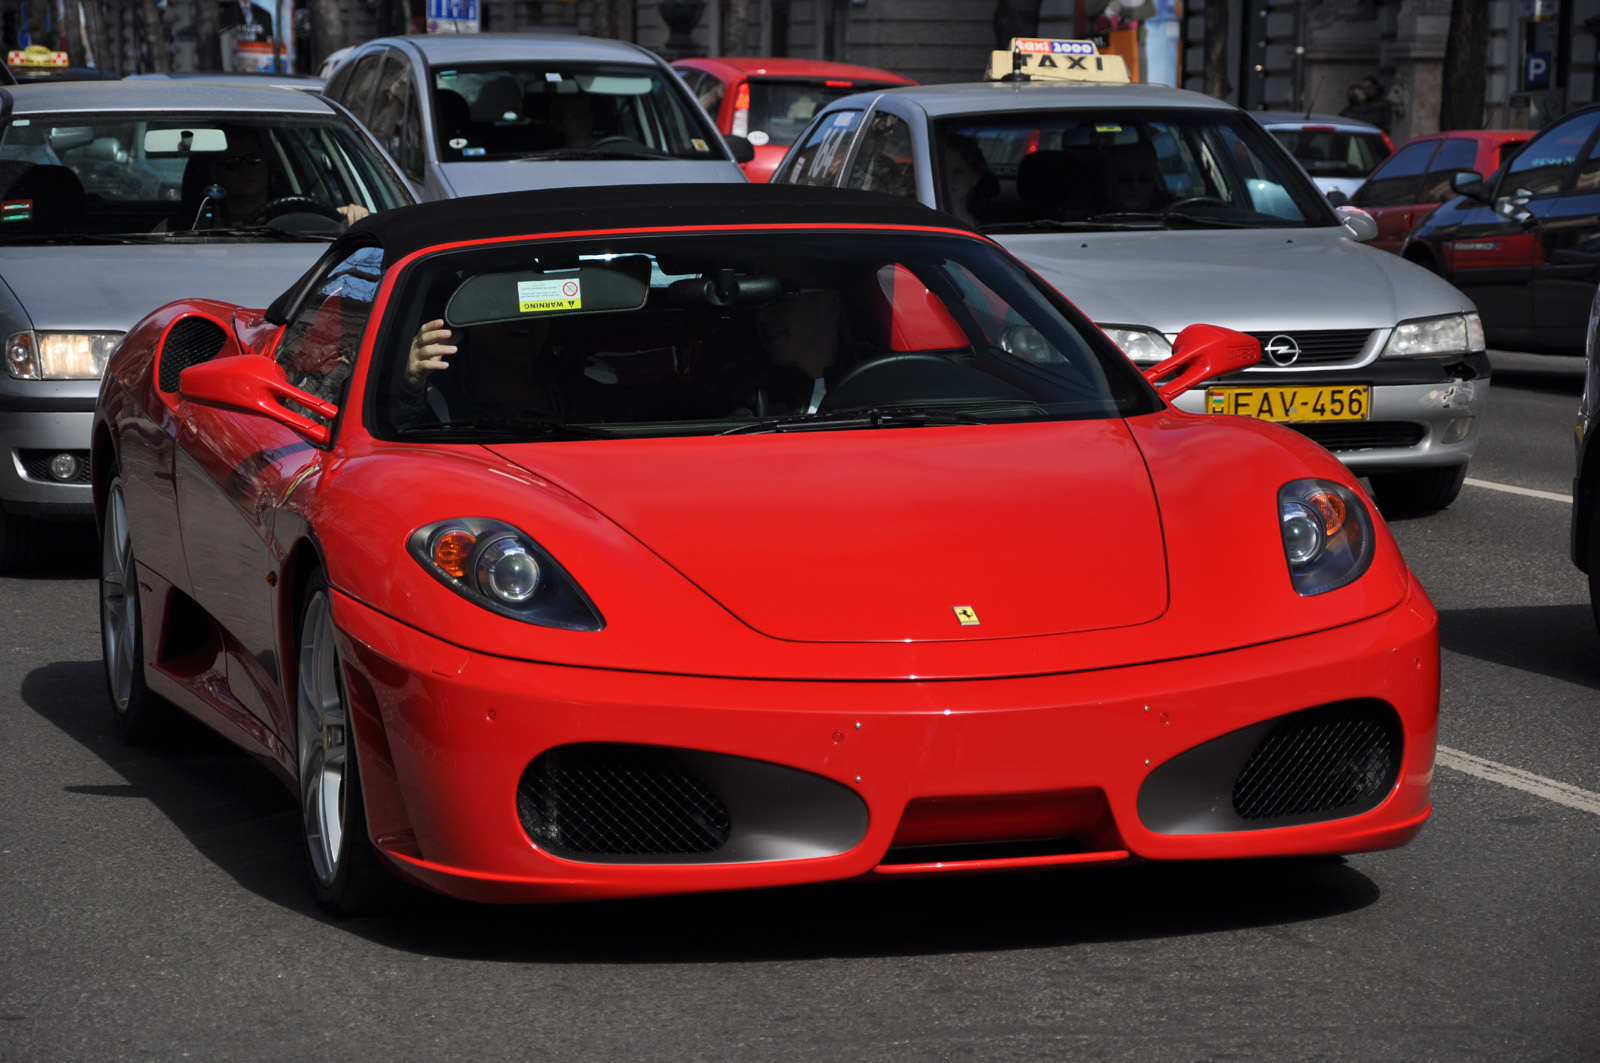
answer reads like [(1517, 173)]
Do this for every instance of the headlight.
[(1450, 334), (1327, 535), (498, 567), (59, 355), (1142, 346)]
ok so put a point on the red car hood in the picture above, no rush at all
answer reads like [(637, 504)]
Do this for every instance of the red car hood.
[(889, 535)]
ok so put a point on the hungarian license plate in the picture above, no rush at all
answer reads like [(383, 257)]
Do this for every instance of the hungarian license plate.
[(1348, 402)]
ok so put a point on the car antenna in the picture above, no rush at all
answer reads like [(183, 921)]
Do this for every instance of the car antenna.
[(1315, 92), (1018, 61)]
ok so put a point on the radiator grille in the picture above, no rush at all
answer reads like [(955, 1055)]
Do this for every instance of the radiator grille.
[(1363, 435), (606, 799), (1319, 347), (190, 342), (1336, 758)]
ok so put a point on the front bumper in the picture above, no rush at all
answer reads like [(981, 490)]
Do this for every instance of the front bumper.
[(39, 419), (445, 737), (1409, 421)]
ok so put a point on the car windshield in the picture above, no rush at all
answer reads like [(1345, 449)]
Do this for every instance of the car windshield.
[(120, 176), (564, 108), (771, 331), (1328, 152), (1017, 172), (781, 108)]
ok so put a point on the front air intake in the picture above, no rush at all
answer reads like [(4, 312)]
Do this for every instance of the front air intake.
[(602, 799), (1340, 758), (190, 341)]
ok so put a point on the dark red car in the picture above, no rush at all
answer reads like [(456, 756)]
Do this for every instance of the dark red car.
[(1410, 183), (770, 100)]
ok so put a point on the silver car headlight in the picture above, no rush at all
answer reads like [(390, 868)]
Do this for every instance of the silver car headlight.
[(1428, 336), (59, 355), (1143, 346)]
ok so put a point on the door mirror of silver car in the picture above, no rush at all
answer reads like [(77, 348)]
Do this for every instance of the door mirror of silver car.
[(1469, 183), (1200, 353), (251, 383), (1361, 225), (1337, 197), (743, 150)]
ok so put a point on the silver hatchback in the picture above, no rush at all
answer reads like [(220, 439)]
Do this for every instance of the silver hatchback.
[(1152, 208)]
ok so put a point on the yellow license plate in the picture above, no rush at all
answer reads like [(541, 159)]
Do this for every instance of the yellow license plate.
[(1344, 403)]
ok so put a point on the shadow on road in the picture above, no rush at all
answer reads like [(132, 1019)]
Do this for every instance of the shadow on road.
[(244, 821), (1558, 641), (1554, 373)]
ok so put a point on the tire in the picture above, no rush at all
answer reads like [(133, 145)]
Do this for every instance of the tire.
[(346, 875), (1421, 491), (137, 714), (16, 543)]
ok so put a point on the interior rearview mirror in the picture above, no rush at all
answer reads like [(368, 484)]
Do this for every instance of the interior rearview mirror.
[(1200, 353), (250, 383)]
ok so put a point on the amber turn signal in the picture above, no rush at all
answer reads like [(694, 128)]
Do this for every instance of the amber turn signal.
[(452, 552)]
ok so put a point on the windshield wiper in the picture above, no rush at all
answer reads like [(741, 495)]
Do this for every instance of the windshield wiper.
[(76, 239), (1104, 223), (582, 154), (1167, 218), (253, 231), (542, 429), (863, 417)]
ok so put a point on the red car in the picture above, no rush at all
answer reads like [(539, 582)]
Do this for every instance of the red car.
[(564, 544), (770, 101), (1410, 183)]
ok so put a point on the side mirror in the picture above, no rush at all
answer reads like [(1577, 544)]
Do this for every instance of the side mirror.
[(743, 150), (1337, 197), (1469, 183), (1361, 225), (1199, 353), (252, 384)]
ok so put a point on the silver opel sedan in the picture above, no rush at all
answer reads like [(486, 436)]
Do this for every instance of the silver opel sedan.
[(1151, 208), (119, 196)]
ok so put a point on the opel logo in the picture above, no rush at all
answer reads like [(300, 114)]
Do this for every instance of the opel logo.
[(1283, 350)]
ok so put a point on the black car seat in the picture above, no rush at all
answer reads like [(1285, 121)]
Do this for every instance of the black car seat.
[(454, 121), (1048, 182), (53, 196)]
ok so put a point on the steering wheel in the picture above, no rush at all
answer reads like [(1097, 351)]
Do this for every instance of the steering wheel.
[(841, 386), (1189, 201), (277, 208), (616, 140)]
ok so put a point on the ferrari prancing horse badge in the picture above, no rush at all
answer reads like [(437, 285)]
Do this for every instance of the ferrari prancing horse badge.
[(967, 615)]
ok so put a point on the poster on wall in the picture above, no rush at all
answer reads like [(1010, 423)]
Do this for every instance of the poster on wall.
[(452, 16), (248, 42)]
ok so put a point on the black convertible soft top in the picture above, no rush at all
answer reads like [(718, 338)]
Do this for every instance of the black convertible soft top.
[(405, 230)]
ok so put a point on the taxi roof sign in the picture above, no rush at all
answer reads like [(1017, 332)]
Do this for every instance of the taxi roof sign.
[(1052, 59), (36, 55)]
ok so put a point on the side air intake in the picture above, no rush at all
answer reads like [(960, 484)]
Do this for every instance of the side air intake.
[(189, 342)]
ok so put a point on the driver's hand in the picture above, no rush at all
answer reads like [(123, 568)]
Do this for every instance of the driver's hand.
[(427, 354), (353, 212)]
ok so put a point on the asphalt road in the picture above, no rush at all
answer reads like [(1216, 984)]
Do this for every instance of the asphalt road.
[(152, 907)]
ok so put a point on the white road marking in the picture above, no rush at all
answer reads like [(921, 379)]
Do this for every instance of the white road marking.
[(1509, 489), (1517, 779)]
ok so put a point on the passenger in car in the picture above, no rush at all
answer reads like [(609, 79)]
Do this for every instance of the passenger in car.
[(1132, 181)]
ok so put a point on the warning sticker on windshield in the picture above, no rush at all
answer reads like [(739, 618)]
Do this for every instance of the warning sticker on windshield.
[(543, 296)]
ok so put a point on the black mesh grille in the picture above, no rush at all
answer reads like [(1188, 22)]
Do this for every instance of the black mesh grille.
[(1323, 347), (1336, 758), (1363, 435), (616, 800), (36, 464), (191, 341)]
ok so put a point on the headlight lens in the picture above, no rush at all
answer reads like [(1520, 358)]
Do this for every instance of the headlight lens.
[(1427, 336), (1142, 346), (502, 569), (59, 355), (1327, 535)]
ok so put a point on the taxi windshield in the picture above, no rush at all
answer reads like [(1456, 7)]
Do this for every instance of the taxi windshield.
[(554, 109), (773, 331), (1019, 171), (85, 177)]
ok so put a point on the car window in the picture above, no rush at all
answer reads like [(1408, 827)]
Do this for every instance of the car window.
[(638, 335), (781, 108), (1542, 166), (1328, 152), (1094, 168), (709, 92), (1455, 155), (357, 95), (322, 340), (883, 163), (1399, 180), (512, 110), (1588, 176), (394, 114), (134, 176), (820, 158)]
